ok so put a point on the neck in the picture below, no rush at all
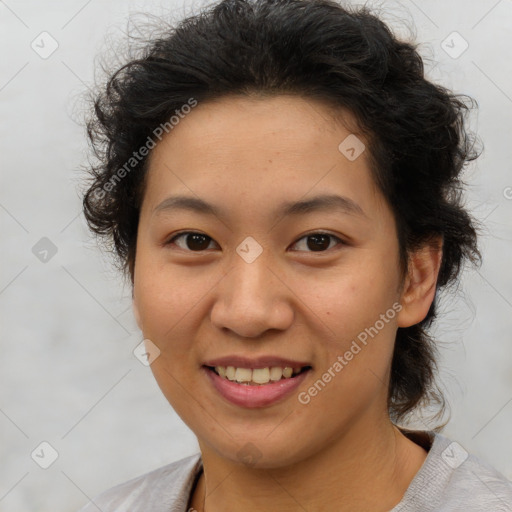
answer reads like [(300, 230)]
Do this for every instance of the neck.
[(363, 470)]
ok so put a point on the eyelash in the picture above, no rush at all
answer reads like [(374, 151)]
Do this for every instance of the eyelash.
[(178, 235)]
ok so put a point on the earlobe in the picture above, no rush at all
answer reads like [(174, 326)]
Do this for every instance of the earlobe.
[(420, 284)]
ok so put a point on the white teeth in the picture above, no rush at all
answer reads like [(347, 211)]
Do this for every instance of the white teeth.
[(243, 374), (258, 375), (287, 372), (276, 373), (261, 375)]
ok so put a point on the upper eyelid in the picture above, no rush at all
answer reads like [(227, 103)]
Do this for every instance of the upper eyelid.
[(320, 232), (182, 233)]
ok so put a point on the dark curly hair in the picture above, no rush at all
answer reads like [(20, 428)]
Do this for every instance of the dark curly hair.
[(346, 58)]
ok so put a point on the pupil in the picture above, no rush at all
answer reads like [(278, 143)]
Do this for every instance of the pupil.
[(197, 242), (194, 242), (321, 240)]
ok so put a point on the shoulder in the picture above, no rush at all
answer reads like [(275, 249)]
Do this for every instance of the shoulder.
[(163, 489), (473, 482), (453, 479)]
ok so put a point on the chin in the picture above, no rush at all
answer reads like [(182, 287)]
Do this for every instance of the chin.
[(262, 452)]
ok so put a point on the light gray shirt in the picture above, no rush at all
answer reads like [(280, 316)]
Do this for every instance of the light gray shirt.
[(449, 480)]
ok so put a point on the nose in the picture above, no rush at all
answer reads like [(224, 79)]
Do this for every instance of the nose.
[(253, 298)]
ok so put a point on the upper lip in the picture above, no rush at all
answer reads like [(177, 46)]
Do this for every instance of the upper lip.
[(255, 362)]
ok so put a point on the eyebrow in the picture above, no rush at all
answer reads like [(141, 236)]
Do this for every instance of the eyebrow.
[(326, 202)]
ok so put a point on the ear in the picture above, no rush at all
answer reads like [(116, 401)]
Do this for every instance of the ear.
[(419, 288)]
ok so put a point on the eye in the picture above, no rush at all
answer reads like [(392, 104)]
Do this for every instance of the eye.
[(194, 241), (319, 241)]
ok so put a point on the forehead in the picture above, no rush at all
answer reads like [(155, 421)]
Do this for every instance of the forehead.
[(264, 149), (251, 120)]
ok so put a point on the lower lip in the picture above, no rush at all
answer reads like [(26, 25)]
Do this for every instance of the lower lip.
[(253, 396)]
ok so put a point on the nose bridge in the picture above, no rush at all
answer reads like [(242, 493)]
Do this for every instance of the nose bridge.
[(250, 297), (252, 278)]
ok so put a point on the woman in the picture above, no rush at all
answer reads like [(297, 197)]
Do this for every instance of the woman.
[(281, 185)]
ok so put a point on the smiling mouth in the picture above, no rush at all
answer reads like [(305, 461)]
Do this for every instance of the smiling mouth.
[(257, 376)]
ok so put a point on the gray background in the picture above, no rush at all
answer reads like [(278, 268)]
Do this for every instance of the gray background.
[(69, 376)]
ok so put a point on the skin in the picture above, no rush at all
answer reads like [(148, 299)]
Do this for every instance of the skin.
[(248, 155)]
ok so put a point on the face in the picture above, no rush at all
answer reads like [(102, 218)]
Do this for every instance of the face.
[(256, 286)]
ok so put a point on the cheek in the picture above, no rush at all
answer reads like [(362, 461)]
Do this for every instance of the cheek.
[(358, 334), (358, 309), (350, 298), (164, 299)]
